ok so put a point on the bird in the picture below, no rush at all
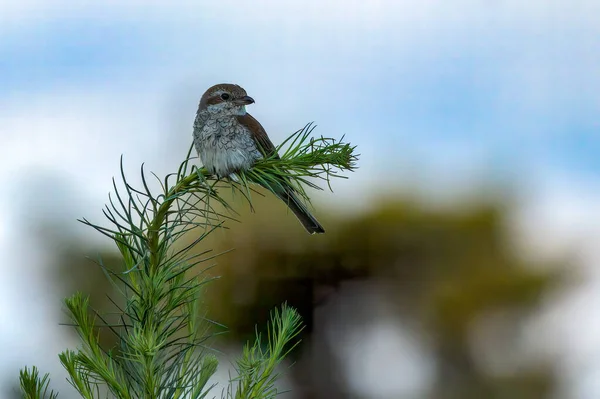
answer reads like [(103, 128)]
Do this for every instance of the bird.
[(230, 140)]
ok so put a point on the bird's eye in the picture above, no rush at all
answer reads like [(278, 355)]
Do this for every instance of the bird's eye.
[(225, 96)]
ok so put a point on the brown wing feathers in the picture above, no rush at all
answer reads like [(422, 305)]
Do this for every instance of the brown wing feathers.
[(258, 133), (287, 193)]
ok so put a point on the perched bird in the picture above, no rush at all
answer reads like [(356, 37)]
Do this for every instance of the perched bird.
[(229, 140)]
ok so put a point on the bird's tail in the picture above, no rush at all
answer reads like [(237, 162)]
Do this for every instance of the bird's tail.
[(309, 222)]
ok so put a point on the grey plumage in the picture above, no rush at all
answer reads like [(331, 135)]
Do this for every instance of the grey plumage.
[(224, 146)]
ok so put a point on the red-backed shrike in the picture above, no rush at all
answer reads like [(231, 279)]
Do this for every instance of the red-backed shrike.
[(229, 140)]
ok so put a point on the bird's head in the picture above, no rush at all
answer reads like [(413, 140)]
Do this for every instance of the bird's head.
[(225, 99)]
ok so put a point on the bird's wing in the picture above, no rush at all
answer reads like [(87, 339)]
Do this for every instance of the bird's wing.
[(259, 134), (282, 190)]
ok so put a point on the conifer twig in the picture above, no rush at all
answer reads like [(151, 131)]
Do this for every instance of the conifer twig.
[(160, 326)]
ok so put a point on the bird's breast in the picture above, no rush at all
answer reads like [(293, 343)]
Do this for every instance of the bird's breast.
[(224, 145)]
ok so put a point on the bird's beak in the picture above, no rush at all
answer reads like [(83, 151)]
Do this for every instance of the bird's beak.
[(246, 100)]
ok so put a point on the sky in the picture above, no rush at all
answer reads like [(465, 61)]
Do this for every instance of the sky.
[(439, 96)]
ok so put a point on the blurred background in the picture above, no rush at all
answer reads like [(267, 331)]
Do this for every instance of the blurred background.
[(460, 260)]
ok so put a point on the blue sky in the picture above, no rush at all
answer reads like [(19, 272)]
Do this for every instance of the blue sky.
[(437, 95), (505, 85), (62, 51)]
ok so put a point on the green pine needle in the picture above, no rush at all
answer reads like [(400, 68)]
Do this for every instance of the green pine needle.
[(34, 387), (256, 368), (163, 339)]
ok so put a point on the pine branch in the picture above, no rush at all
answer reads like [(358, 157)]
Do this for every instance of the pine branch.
[(257, 366), (34, 387), (162, 338)]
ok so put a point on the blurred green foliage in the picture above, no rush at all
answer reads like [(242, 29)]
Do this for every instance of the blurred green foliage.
[(446, 269)]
